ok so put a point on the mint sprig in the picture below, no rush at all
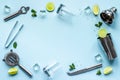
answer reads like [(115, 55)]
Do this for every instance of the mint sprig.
[(72, 67), (99, 24)]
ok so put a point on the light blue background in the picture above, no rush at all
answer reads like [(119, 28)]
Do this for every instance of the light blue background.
[(53, 39)]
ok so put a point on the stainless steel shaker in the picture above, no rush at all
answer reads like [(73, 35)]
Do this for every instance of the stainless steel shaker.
[(108, 46)]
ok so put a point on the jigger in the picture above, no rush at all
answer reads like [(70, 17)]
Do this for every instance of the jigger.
[(63, 10), (108, 15), (50, 69)]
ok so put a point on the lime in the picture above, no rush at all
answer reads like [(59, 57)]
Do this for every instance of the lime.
[(96, 9), (102, 33), (107, 70), (12, 71), (50, 6)]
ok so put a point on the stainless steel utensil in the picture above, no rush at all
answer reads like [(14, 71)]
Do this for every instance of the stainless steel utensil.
[(12, 59), (84, 70), (108, 15), (108, 46), (9, 41), (23, 10)]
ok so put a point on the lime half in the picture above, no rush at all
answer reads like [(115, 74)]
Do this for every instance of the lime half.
[(50, 6), (107, 70), (12, 71), (102, 33), (96, 9)]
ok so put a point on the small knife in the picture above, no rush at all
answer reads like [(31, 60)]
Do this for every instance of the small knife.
[(84, 70)]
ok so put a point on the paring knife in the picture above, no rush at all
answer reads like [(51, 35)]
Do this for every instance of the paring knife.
[(84, 70)]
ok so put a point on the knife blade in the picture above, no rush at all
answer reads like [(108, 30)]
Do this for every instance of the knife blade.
[(84, 70)]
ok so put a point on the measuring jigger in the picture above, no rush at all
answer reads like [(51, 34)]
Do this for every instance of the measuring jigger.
[(108, 46)]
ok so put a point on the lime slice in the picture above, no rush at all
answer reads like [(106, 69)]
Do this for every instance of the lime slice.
[(50, 6), (102, 33), (12, 71), (95, 9), (107, 70)]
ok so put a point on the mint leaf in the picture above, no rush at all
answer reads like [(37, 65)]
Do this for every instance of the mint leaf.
[(34, 15), (96, 25), (33, 11), (15, 45), (72, 67), (99, 24), (98, 72)]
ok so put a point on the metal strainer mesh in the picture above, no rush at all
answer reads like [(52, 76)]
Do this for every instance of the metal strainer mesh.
[(11, 59)]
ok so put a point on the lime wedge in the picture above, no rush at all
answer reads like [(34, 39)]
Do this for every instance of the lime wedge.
[(107, 70), (96, 9), (12, 71), (50, 6), (102, 33)]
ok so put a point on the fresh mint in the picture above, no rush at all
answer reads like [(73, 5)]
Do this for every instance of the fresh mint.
[(34, 13), (15, 45), (99, 24), (98, 72), (72, 67)]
